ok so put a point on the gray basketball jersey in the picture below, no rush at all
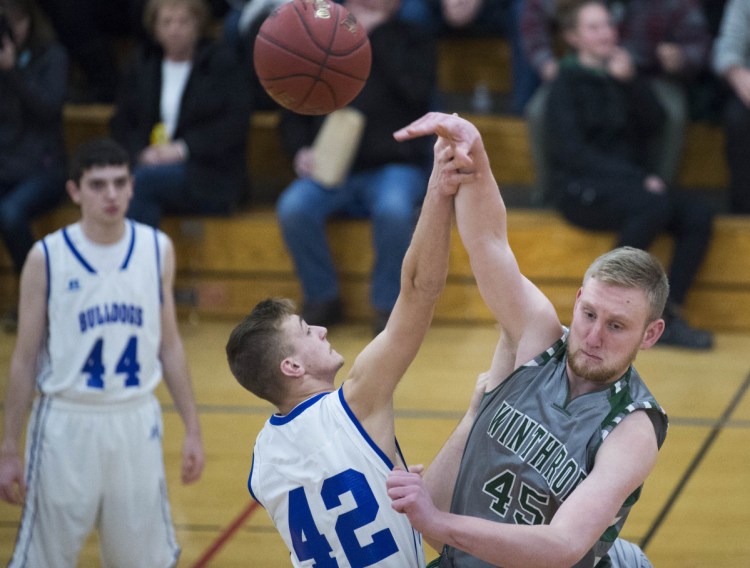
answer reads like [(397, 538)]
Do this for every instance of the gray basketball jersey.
[(530, 447), (104, 322)]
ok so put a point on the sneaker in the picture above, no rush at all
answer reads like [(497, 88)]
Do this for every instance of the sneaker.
[(324, 314), (678, 333)]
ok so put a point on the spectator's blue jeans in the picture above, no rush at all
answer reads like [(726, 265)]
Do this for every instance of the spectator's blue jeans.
[(20, 203), (157, 190), (525, 78), (389, 196), (163, 190)]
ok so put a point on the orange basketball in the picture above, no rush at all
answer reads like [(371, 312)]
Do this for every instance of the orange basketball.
[(312, 56)]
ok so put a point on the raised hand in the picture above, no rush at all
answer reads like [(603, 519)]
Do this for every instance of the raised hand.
[(460, 134)]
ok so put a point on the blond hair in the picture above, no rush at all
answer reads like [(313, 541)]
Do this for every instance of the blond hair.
[(630, 267)]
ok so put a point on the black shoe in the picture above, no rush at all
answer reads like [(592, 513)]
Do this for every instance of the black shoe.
[(324, 314), (378, 323), (678, 333)]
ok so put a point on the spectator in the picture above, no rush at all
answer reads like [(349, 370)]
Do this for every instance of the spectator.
[(97, 332), (731, 61), (99, 34), (536, 21), (33, 78), (387, 179), (540, 471), (600, 115), (89, 30), (183, 114), (669, 41)]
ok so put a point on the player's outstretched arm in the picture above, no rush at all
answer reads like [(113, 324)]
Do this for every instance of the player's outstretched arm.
[(32, 325), (177, 375), (525, 314), (380, 366)]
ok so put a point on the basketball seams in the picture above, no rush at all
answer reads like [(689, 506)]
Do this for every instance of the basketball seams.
[(309, 64), (290, 48), (326, 55)]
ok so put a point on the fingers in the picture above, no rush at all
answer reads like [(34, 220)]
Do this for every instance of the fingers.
[(399, 477), (15, 493), (459, 132), (190, 472), (12, 483), (404, 488), (479, 390), (399, 481), (192, 466), (447, 125), (453, 163), (420, 127)]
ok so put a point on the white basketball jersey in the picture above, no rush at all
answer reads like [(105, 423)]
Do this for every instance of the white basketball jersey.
[(322, 479), (104, 321)]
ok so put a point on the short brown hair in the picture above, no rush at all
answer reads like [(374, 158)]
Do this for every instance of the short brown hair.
[(257, 346), (96, 153), (198, 8), (630, 267)]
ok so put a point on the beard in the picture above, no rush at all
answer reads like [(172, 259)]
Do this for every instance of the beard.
[(600, 374)]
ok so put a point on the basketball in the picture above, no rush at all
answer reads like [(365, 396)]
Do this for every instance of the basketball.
[(312, 56)]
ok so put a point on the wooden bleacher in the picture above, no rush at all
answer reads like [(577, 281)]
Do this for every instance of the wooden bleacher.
[(225, 265)]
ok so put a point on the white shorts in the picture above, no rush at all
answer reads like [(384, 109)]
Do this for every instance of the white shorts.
[(95, 466), (625, 554)]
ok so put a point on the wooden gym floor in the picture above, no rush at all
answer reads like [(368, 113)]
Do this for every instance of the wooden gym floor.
[(695, 508)]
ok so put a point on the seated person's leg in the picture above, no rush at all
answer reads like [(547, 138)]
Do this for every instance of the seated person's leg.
[(21, 204), (666, 148), (525, 78), (616, 205), (157, 190), (692, 227), (393, 196), (534, 112), (737, 128), (302, 210)]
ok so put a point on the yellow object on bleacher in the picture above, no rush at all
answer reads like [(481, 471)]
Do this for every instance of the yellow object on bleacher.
[(159, 134)]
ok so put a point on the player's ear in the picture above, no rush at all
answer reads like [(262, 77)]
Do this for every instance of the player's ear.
[(292, 368), (73, 191), (653, 333)]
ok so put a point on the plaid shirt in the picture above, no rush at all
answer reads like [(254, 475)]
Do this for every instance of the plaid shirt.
[(647, 23)]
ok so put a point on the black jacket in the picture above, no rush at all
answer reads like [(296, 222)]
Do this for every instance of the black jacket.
[(597, 127), (31, 104), (214, 117)]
